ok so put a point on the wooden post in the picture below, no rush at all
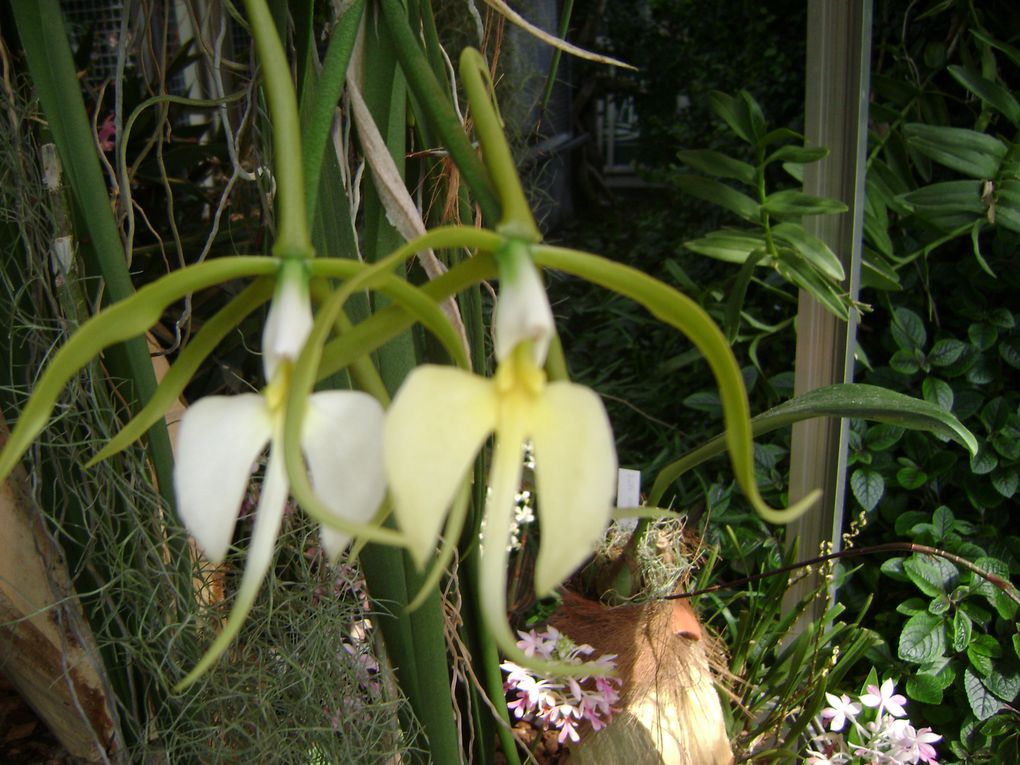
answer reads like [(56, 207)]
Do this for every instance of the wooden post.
[(836, 116), (46, 646)]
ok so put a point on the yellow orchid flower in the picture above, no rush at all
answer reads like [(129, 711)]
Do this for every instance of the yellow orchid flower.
[(220, 438), (441, 417)]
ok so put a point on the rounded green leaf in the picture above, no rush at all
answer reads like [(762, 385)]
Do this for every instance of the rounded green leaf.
[(983, 702), (923, 638), (868, 486)]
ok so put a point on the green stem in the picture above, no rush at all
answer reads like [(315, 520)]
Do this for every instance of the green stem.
[(517, 220), (331, 83), (438, 109), (292, 238)]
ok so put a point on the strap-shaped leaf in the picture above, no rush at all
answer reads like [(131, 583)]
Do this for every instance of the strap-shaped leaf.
[(718, 164), (989, 91), (727, 245), (969, 152)]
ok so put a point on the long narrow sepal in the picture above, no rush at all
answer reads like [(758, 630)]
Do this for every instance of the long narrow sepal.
[(184, 368), (122, 321), (268, 518), (682, 313)]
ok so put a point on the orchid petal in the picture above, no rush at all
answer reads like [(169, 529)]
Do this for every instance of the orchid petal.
[(575, 473), (522, 311), (342, 441), (218, 441), (261, 548), (437, 423), (289, 321)]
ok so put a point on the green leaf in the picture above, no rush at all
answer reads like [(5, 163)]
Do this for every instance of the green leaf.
[(1005, 482), (868, 402), (704, 401), (798, 154), (1005, 686), (735, 113), (811, 248), (982, 701), (923, 639), (908, 330), (796, 203), (718, 193), (946, 352), (1002, 318), (987, 646), (905, 362), (968, 152), (727, 245), (947, 198), (893, 568), (911, 477), (878, 274), (882, 437), (943, 522), (983, 335), (908, 521), (984, 461), (938, 392), (962, 629), (924, 688), (932, 575), (981, 662), (1009, 350), (867, 486), (990, 92), (718, 164)]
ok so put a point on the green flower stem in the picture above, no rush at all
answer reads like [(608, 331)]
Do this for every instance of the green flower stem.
[(122, 321), (682, 313), (434, 100), (292, 238), (517, 220), (331, 82), (190, 359)]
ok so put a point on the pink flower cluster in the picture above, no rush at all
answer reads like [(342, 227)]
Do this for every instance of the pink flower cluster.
[(887, 738), (560, 703)]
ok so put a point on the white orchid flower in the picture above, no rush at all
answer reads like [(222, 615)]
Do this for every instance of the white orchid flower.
[(441, 417), (220, 438)]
